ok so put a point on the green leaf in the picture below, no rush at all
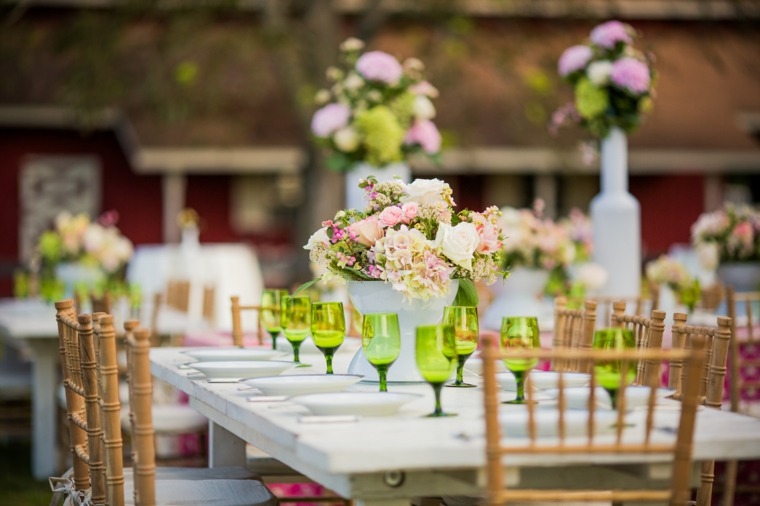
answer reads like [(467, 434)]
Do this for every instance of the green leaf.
[(467, 294), (306, 286)]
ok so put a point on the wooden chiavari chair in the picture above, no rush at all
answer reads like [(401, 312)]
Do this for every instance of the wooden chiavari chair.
[(573, 328), (591, 444), (92, 390), (717, 342), (648, 333), (237, 320)]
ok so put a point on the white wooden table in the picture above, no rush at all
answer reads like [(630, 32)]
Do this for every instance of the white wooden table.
[(389, 460), (30, 325)]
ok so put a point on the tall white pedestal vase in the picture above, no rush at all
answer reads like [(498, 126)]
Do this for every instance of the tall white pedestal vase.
[(380, 297), (616, 218), (355, 197)]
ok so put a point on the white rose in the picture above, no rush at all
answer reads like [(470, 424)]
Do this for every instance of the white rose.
[(599, 72), (423, 107), (458, 243), (424, 191), (318, 237), (708, 255), (346, 139)]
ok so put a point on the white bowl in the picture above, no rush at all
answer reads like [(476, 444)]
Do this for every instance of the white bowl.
[(543, 380), (515, 423), (354, 403), (299, 384), (241, 369), (232, 354)]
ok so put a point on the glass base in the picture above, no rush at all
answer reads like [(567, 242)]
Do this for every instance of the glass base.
[(300, 364), (461, 385), (519, 401), (439, 415)]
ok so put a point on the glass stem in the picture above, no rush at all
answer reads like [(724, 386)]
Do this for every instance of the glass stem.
[(382, 372), (296, 352), (328, 359), (520, 381), (274, 339), (437, 390), (613, 397), (460, 373)]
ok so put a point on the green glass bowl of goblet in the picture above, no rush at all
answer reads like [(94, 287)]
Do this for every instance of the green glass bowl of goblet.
[(381, 343), (611, 374), (269, 312), (328, 329), (436, 356), (295, 320), (464, 319), (519, 332)]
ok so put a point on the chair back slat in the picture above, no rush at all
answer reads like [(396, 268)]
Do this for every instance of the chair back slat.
[(648, 333), (573, 328), (237, 320), (641, 441)]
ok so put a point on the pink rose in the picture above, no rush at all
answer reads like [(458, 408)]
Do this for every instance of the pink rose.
[(409, 211), (329, 119), (489, 238), (379, 66), (574, 58), (367, 231), (610, 33), (424, 133), (390, 216)]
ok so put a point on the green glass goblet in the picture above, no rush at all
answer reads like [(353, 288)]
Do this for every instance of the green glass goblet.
[(464, 319), (436, 355), (519, 332), (295, 320), (269, 312), (381, 342), (328, 329), (611, 374)]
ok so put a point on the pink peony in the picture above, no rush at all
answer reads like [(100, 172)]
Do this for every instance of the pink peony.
[(391, 216), (424, 133), (367, 231), (610, 33), (330, 118), (574, 58), (631, 74), (379, 66)]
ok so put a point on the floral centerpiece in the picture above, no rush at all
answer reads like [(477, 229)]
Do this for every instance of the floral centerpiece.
[(411, 238), (612, 81), (669, 272), (376, 110), (76, 240), (730, 234)]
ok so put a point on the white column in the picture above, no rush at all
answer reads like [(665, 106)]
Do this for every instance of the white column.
[(173, 186), (616, 218)]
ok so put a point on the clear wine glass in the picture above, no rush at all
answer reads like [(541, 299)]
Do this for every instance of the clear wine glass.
[(436, 355), (269, 312), (295, 319), (328, 329), (609, 373), (381, 342), (519, 332), (464, 319)]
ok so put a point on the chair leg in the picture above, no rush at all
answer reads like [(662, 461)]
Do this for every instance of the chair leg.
[(729, 489)]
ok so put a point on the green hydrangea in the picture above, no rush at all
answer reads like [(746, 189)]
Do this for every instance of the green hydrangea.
[(50, 246), (403, 107), (382, 135), (590, 100)]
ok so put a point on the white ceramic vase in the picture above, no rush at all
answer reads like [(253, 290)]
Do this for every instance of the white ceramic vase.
[(355, 196), (521, 294), (380, 297), (742, 276)]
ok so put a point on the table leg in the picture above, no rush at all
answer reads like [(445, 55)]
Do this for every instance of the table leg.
[(225, 448), (44, 383)]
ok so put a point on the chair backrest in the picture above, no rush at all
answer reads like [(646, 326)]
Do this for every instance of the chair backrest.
[(641, 439), (237, 320), (648, 334), (178, 294), (636, 304), (208, 309), (573, 328), (750, 334), (80, 380), (102, 303)]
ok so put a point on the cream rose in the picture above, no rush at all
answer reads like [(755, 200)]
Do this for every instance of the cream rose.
[(458, 243), (367, 231), (318, 237), (424, 191)]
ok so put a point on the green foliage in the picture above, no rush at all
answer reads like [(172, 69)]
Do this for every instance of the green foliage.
[(467, 294)]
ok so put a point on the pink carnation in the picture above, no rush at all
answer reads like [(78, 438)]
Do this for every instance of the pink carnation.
[(330, 118), (631, 74), (379, 66), (574, 58), (610, 33), (424, 133)]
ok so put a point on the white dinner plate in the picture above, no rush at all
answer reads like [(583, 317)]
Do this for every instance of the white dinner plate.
[(543, 380), (300, 384), (241, 369), (232, 354), (515, 423), (635, 396), (354, 403)]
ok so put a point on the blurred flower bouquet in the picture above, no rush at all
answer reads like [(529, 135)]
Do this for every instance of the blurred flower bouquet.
[(730, 234), (667, 271), (76, 240), (612, 81), (411, 237), (376, 110)]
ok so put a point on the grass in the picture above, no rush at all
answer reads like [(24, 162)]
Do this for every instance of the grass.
[(16, 481)]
